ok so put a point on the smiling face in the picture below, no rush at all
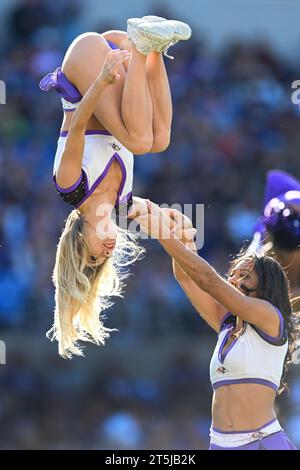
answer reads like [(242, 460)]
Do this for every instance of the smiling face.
[(101, 239), (244, 277)]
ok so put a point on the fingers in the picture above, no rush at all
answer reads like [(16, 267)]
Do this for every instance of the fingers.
[(117, 56), (139, 207), (111, 65), (180, 220)]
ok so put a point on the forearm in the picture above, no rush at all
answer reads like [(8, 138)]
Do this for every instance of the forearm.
[(88, 103), (179, 274), (196, 268)]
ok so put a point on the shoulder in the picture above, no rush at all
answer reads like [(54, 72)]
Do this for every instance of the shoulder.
[(282, 336)]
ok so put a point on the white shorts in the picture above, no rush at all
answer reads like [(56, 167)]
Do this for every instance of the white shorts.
[(236, 439)]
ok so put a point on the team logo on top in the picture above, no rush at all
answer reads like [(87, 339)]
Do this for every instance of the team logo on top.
[(222, 370), (116, 146)]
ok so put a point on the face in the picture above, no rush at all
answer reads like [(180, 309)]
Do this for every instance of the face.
[(243, 276), (101, 239)]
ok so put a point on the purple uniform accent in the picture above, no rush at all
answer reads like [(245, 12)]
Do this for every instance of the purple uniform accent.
[(222, 354), (276, 441), (254, 380), (112, 45), (124, 175), (102, 176), (226, 316), (273, 339), (98, 132), (125, 198), (62, 85), (71, 188)]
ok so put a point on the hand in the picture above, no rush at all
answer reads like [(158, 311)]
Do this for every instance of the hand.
[(152, 220), (181, 225), (111, 65)]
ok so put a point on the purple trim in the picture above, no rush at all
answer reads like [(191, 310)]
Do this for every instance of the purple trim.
[(273, 339), (221, 354), (224, 341), (124, 175), (126, 198), (62, 85), (69, 110), (242, 432), (267, 383), (102, 176), (98, 132), (227, 315), (70, 188), (112, 44)]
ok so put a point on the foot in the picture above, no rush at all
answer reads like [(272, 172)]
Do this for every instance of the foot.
[(151, 33), (149, 36), (182, 32)]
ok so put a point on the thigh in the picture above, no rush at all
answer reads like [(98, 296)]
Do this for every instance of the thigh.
[(82, 65)]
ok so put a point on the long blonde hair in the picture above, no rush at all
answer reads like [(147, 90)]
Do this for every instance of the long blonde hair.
[(84, 289)]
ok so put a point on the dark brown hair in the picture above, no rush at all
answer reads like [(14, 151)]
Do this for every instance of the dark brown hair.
[(273, 286)]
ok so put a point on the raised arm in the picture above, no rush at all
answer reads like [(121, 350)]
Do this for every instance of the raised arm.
[(210, 310), (256, 311), (69, 169)]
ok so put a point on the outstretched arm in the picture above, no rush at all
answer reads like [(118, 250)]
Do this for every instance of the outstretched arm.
[(208, 308), (256, 311), (69, 169)]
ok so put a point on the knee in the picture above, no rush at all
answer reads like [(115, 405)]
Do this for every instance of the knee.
[(141, 145), (161, 142)]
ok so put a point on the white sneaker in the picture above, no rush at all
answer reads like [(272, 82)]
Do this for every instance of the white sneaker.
[(153, 18), (182, 32), (149, 36)]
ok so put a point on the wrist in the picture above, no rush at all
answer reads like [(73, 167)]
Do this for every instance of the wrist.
[(102, 79)]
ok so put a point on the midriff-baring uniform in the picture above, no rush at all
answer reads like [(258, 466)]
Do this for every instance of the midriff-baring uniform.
[(100, 151), (253, 357)]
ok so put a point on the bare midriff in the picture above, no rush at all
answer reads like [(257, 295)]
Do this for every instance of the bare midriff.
[(242, 407), (92, 125)]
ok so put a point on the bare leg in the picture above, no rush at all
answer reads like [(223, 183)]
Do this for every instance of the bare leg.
[(136, 77), (159, 90), (162, 101), (125, 109), (136, 97)]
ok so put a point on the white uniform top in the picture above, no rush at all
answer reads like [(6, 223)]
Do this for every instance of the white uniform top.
[(100, 150), (254, 357)]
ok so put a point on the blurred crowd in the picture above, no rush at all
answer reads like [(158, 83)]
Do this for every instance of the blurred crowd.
[(233, 121)]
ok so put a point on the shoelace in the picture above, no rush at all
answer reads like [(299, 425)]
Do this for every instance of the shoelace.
[(165, 51)]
